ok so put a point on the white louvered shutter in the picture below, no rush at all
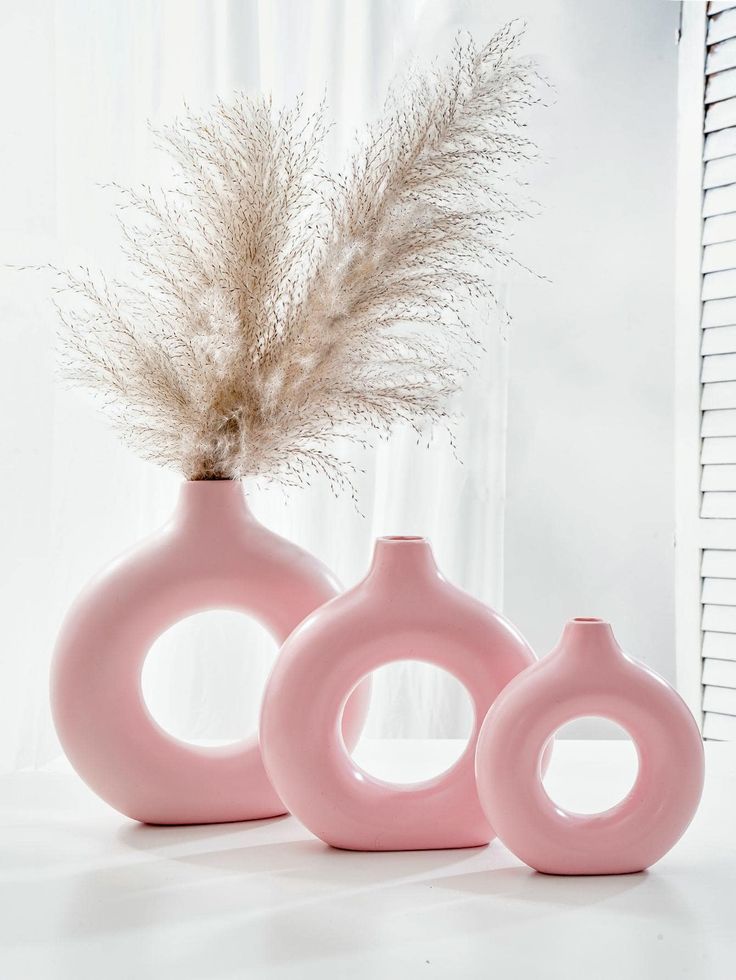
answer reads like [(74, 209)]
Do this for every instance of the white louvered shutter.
[(718, 426), (712, 40)]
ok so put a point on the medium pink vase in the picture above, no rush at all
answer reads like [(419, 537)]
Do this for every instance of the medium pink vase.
[(213, 554), (588, 674), (403, 610)]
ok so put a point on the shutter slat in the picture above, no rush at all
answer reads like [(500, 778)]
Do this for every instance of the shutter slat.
[(719, 285), (720, 699), (720, 86), (719, 450), (719, 200), (716, 533), (719, 673), (719, 340), (719, 564), (719, 422), (719, 646), (718, 504), (722, 143), (716, 6), (719, 228), (719, 728), (721, 26), (719, 591), (720, 115), (721, 57), (722, 394), (717, 258), (720, 619), (721, 171), (717, 477), (719, 395), (719, 367), (719, 313)]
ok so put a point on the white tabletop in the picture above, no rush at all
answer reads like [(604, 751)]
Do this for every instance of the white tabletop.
[(86, 893)]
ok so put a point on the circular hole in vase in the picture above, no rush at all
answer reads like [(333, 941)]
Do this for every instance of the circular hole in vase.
[(203, 679), (413, 702), (587, 777)]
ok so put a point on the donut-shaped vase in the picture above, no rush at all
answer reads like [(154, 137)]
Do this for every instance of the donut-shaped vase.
[(403, 610), (588, 674), (213, 555)]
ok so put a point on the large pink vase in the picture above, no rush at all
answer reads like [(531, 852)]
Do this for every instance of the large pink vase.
[(213, 554), (403, 610), (588, 674)]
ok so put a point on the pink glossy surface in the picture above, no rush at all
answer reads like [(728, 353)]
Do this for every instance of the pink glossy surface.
[(213, 554), (588, 674), (403, 610)]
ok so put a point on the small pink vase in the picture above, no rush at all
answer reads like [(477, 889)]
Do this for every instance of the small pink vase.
[(403, 610), (213, 554), (588, 674)]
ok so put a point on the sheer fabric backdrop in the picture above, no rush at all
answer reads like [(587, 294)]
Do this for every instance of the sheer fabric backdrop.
[(80, 82)]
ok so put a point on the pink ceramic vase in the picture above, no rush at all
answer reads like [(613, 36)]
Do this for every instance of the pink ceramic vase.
[(213, 554), (403, 610), (588, 674)]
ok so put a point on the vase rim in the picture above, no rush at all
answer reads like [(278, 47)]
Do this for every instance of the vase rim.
[(401, 559), (589, 621), (402, 539)]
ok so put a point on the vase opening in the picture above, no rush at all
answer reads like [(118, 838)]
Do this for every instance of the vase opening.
[(604, 782), (588, 619), (406, 763), (181, 679)]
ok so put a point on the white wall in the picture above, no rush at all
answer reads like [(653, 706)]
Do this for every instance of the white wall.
[(589, 526), (590, 513)]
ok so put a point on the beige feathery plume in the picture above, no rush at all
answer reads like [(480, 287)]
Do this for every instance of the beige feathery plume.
[(272, 308)]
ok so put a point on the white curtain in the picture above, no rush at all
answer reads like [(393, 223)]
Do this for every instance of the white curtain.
[(79, 83)]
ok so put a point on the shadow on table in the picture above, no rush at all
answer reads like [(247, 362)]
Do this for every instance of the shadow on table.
[(295, 853), (212, 900), (152, 837), (524, 884)]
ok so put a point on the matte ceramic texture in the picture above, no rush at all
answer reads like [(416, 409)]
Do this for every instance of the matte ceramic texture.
[(403, 610), (588, 674), (213, 554)]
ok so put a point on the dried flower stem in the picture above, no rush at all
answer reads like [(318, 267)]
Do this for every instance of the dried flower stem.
[(272, 308)]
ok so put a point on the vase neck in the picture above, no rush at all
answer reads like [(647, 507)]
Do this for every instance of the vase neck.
[(212, 503), (589, 639), (399, 562)]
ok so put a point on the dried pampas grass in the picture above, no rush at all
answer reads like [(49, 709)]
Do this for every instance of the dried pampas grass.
[(272, 308)]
